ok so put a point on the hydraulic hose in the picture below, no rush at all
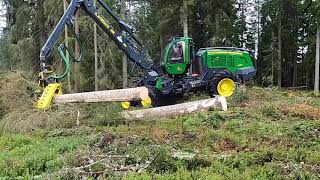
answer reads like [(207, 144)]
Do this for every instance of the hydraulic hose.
[(81, 51), (66, 60), (66, 63)]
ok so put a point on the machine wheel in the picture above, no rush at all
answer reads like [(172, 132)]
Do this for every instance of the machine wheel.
[(151, 101), (222, 83), (126, 105)]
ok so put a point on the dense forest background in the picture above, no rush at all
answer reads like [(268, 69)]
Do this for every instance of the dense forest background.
[(281, 32)]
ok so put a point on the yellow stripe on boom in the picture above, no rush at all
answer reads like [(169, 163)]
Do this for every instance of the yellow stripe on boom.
[(104, 22), (46, 98)]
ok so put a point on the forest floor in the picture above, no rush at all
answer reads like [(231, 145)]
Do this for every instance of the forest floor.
[(266, 134)]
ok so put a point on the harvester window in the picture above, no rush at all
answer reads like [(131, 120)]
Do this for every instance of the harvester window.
[(176, 53)]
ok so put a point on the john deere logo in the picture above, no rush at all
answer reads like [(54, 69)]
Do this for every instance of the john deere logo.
[(179, 68)]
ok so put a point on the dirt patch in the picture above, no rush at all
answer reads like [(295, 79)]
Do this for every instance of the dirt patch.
[(188, 137), (227, 145), (159, 134), (105, 140), (184, 137), (300, 110)]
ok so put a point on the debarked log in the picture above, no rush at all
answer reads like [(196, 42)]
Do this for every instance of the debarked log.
[(218, 102), (119, 95)]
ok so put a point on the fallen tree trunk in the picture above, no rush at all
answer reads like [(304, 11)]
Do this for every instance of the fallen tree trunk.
[(178, 109), (132, 94)]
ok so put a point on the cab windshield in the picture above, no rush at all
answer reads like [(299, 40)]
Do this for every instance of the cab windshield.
[(176, 53)]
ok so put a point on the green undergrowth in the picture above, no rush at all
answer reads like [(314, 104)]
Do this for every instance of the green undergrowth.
[(266, 134)]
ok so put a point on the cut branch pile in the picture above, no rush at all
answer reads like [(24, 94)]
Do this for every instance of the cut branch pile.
[(17, 112)]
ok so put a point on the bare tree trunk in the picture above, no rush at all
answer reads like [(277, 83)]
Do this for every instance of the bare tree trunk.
[(41, 33), (161, 44), (96, 77), (258, 33), (76, 55), (184, 18), (295, 71), (124, 57), (217, 27), (307, 77), (65, 5), (316, 77), (125, 71), (279, 54), (272, 58)]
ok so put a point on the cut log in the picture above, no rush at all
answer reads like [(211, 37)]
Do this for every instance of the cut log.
[(120, 95), (178, 109)]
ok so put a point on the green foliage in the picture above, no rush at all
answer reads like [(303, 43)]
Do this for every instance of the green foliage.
[(32, 155), (105, 114), (163, 163), (5, 60), (251, 142), (271, 111), (213, 120), (263, 136), (209, 22), (296, 35), (239, 97)]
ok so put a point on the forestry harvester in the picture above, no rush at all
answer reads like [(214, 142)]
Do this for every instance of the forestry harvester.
[(215, 70)]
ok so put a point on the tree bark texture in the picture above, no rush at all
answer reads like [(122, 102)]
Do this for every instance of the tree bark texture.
[(279, 55), (184, 18), (295, 72), (76, 55), (124, 57), (317, 68), (65, 6), (272, 58), (96, 60)]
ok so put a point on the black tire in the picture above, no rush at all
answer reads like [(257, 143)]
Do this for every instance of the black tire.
[(216, 78), (154, 97)]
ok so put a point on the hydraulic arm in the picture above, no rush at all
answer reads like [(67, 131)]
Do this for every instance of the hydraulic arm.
[(124, 39), (214, 70)]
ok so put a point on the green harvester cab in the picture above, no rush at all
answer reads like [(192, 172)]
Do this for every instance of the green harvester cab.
[(215, 69)]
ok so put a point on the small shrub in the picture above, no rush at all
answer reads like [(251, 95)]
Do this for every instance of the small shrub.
[(190, 123), (303, 174), (264, 158), (213, 120), (239, 97), (197, 163), (271, 111), (163, 163), (105, 114)]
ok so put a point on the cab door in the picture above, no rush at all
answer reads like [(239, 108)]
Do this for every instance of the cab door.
[(177, 58)]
